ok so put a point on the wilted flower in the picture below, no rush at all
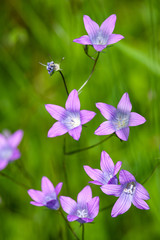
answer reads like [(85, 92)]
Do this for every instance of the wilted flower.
[(51, 67), (120, 119), (48, 196), (99, 37), (70, 119), (8, 148), (108, 173), (84, 210), (128, 192)]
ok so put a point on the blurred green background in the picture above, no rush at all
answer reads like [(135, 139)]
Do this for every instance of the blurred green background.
[(38, 31)]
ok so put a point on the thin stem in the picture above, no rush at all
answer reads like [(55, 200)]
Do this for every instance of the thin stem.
[(69, 226), (13, 180), (87, 148), (64, 81), (151, 174), (95, 62), (82, 231)]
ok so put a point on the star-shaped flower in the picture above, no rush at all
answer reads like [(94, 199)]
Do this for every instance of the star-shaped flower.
[(48, 197), (120, 119), (108, 173), (70, 119), (84, 210), (128, 192), (99, 37), (8, 148)]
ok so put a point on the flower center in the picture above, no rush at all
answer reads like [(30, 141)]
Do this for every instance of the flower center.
[(121, 120), (130, 188), (72, 120), (99, 39), (82, 213), (6, 153), (106, 177)]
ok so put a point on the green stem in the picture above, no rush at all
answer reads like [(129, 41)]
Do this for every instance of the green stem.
[(64, 81), (13, 180), (151, 174), (95, 62), (87, 148), (69, 226), (82, 231)]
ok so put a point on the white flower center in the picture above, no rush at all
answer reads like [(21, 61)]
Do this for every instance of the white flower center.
[(121, 120), (82, 213), (130, 188), (99, 39), (6, 152), (72, 120)]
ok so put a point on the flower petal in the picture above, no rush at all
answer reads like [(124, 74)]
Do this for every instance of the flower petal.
[(15, 139), (73, 103), (36, 195), (16, 155), (113, 180), (47, 186), (112, 189), (125, 176), (113, 38), (72, 218), (86, 116), (90, 26), (105, 128), (122, 205), (57, 129), (117, 167), (58, 188), (3, 140), (123, 133), (108, 111), (136, 119), (141, 192), (85, 195), (3, 164), (93, 207), (95, 174), (95, 182), (76, 132), (68, 204), (99, 48), (85, 40), (86, 220), (36, 204), (139, 203), (106, 163), (108, 25), (55, 111), (124, 104)]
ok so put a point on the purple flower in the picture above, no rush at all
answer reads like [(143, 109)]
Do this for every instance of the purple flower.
[(84, 210), (128, 192), (99, 37), (120, 119), (48, 196), (108, 173), (70, 119), (8, 148)]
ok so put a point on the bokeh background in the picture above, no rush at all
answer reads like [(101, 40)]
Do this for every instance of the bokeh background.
[(36, 31)]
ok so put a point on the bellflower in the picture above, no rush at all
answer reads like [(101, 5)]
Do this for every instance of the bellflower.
[(99, 37), (48, 196), (120, 119), (8, 148), (107, 174), (84, 210), (70, 119), (128, 192)]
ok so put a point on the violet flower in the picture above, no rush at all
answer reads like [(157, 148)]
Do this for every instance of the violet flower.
[(70, 119), (108, 173), (99, 37), (8, 148), (120, 119), (48, 196), (84, 210), (128, 192)]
